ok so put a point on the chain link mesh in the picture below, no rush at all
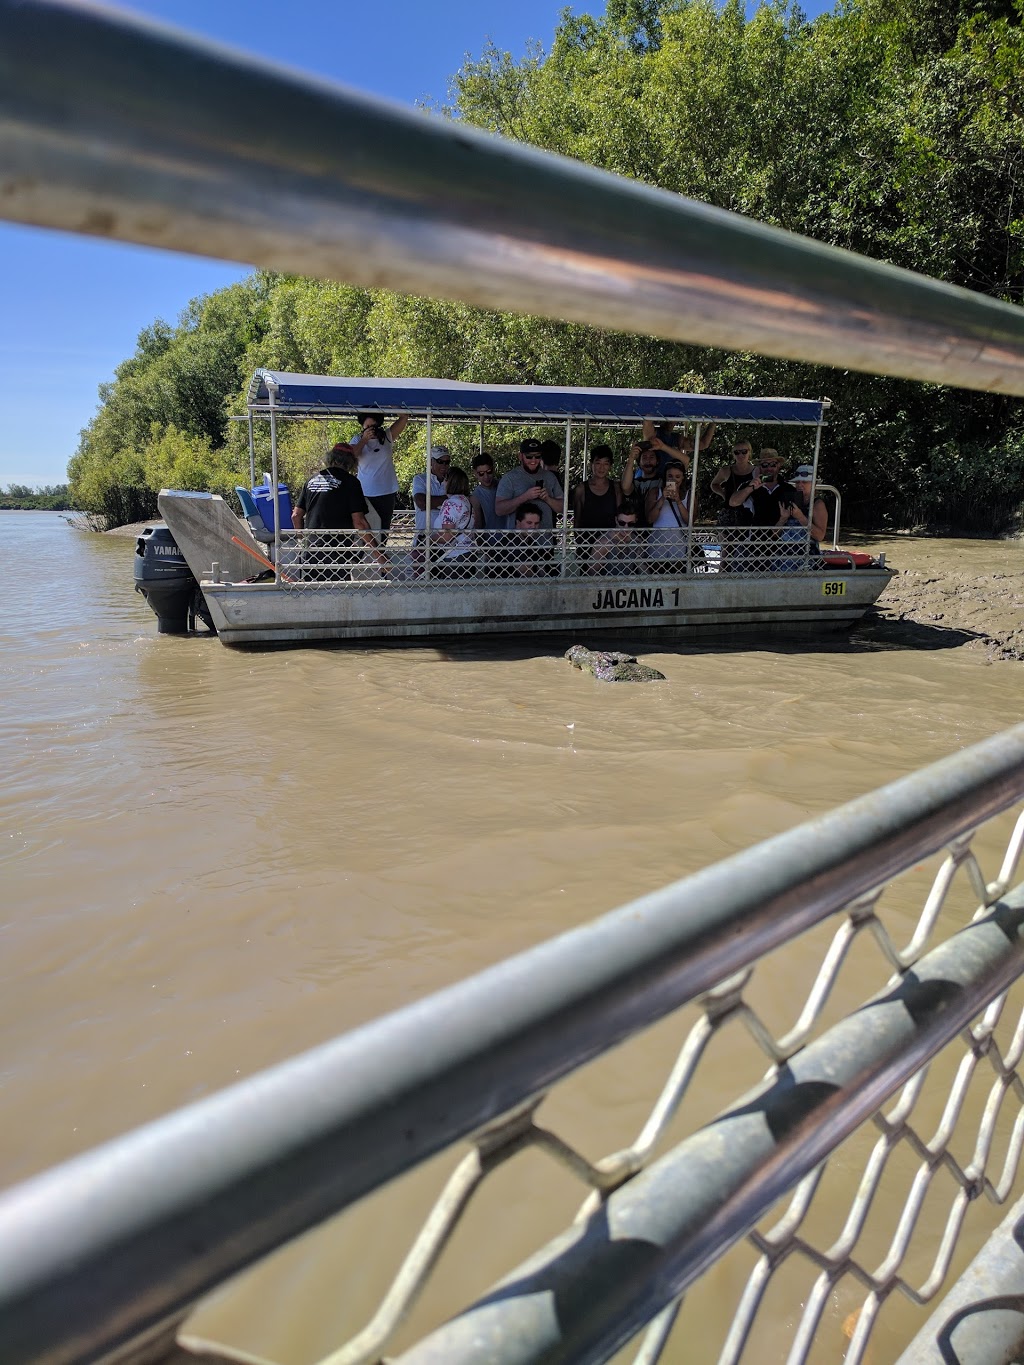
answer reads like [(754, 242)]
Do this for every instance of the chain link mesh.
[(805, 1290), (402, 556)]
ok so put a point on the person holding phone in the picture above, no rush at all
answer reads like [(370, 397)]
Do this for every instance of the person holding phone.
[(374, 449), (531, 482), (670, 515), (797, 517)]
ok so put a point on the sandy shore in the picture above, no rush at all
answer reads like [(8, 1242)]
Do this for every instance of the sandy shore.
[(132, 529)]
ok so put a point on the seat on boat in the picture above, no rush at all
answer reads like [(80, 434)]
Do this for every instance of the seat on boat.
[(253, 516), (263, 496)]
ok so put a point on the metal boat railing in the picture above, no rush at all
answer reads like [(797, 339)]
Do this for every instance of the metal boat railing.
[(102, 1258), (110, 1251), (364, 561)]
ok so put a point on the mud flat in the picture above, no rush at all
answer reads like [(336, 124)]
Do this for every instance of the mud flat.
[(973, 589)]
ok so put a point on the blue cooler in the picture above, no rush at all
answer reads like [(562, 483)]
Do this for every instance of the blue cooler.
[(263, 496)]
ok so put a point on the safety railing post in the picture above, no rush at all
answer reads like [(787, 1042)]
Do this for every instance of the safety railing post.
[(565, 497), (690, 500), (814, 489), (428, 511), (274, 479)]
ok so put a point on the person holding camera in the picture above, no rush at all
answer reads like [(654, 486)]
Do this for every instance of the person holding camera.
[(672, 445), (766, 492), (640, 475), (796, 516), (374, 450)]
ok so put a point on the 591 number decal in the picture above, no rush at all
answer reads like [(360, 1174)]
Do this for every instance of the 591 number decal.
[(833, 589)]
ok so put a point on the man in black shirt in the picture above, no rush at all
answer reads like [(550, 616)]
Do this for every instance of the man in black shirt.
[(767, 493), (333, 501)]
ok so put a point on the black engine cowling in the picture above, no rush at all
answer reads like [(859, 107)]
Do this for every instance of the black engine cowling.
[(163, 577)]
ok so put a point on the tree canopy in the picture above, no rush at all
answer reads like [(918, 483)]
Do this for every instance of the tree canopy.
[(892, 127)]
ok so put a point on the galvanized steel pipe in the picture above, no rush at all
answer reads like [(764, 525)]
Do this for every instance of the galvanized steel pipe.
[(121, 128), (119, 1239), (588, 1292)]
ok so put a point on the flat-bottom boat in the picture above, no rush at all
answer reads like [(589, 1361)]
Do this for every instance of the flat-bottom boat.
[(260, 584)]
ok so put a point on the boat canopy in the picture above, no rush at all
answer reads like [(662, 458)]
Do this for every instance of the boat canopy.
[(311, 395)]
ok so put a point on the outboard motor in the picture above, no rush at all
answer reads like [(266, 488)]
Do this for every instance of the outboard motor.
[(166, 582)]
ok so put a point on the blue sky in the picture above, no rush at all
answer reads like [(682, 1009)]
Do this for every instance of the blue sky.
[(73, 306)]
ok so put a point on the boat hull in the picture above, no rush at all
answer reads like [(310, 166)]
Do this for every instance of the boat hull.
[(669, 608), (674, 609)]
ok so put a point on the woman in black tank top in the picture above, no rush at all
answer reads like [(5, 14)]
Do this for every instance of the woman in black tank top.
[(594, 502)]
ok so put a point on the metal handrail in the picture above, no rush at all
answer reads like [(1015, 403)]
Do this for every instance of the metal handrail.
[(297, 174), (710, 1189), (122, 1239)]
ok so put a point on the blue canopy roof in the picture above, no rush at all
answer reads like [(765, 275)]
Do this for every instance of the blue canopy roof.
[(447, 399)]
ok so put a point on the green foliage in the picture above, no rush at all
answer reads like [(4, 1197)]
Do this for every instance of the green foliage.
[(115, 488), (19, 497), (890, 127)]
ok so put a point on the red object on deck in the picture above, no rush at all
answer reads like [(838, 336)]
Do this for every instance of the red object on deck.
[(847, 559)]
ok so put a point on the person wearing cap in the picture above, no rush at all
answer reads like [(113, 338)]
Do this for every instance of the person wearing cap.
[(531, 482), (793, 514), (374, 450), (333, 500), (440, 463)]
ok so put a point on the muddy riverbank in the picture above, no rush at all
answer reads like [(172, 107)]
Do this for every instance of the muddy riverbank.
[(945, 589)]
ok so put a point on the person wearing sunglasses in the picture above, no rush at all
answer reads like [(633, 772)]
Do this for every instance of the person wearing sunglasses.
[(440, 463), (531, 482), (485, 492), (729, 477), (764, 489), (797, 517), (619, 550)]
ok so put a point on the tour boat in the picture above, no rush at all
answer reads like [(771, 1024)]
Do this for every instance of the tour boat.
[(258, 581)]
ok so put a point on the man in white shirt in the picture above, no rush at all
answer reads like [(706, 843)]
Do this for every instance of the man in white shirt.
[(375, 457), (440, 463)]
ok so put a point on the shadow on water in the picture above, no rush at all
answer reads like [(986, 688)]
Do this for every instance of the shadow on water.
[(875, 633)]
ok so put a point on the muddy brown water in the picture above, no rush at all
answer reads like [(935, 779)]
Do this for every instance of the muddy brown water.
[(212, 859)]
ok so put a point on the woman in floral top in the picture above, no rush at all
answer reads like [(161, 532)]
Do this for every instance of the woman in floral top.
[(454, 531)]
